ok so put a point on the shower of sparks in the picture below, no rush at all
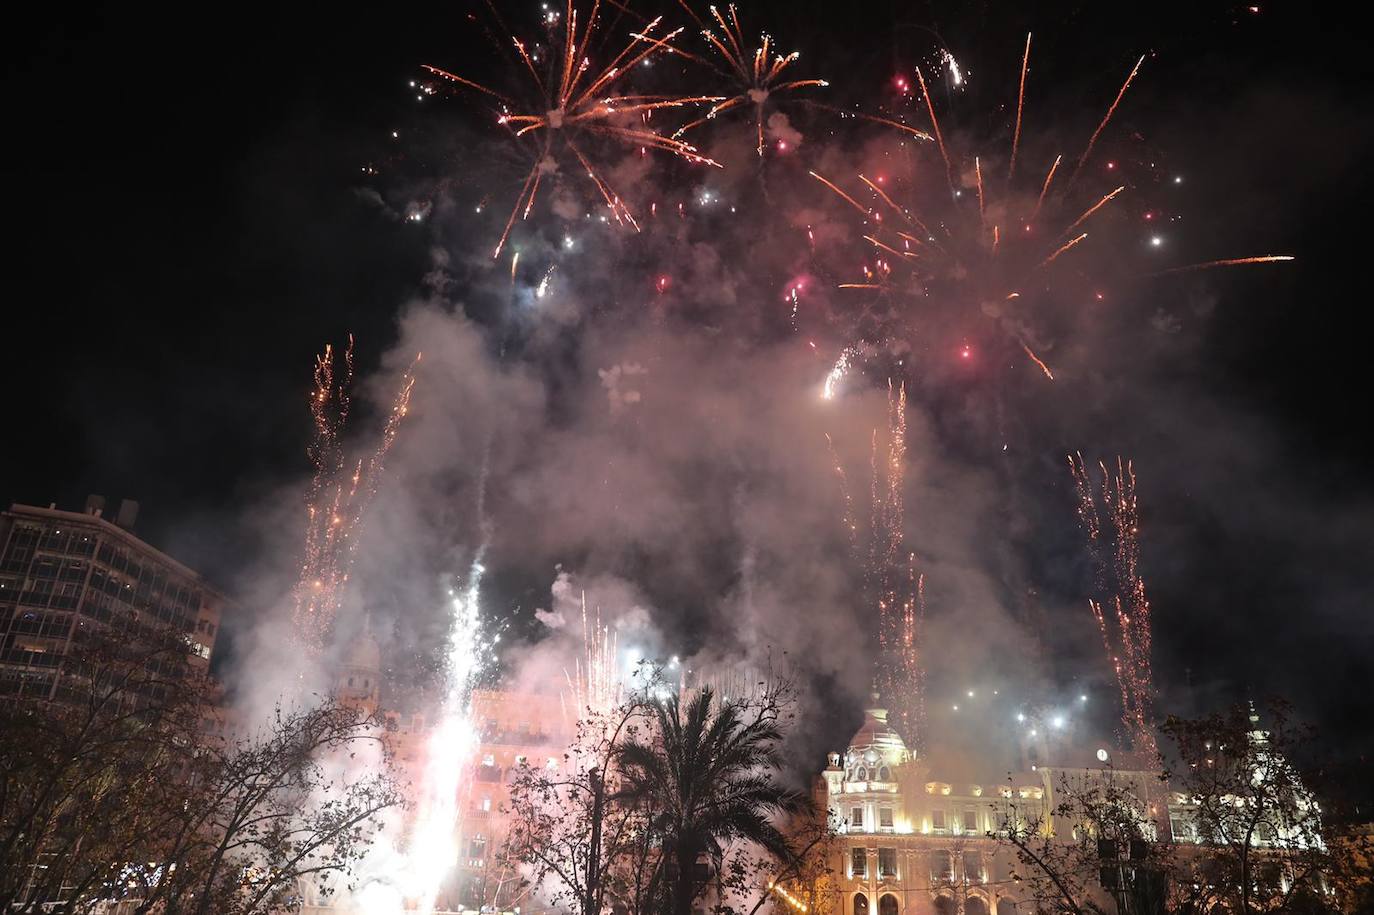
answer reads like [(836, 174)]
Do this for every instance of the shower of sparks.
[(897, 588), (891, 580), (543, 288), (756, 78), (594, 683), (1123, 613), (850, 522), (948, 60), (436, 836), (571, 102), (340, 492), (839, 370)]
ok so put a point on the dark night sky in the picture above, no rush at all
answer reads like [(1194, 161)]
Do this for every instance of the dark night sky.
[(185, 234)]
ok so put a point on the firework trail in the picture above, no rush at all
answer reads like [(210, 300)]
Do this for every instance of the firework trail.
[(436, 837), (1020, 106), (594, 683), (339, 494), (1125, 623), (898, 589), (756, 78), (891, 580), (851, 524), (568, 104), (1228, 262)]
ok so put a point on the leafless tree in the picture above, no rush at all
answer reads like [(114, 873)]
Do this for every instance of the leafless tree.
[(121, 790)]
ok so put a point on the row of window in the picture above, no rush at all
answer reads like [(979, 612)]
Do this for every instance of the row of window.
[(941, 865), (150, 582), (967, 819), (943, 905), (863, 773)]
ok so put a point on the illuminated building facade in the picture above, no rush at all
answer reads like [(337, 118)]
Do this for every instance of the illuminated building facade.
[(61, 570), (913, 839)]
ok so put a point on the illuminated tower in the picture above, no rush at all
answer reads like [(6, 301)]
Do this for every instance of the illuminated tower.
[(360, 676)]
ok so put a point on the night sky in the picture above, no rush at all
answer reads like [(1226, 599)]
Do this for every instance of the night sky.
[(188, 228)]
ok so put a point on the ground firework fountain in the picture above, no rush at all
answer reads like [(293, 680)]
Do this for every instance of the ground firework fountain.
[(435, 840)]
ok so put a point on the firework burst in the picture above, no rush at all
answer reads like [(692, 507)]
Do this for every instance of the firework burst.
[(1124, 622), (567, 103), (339, 494), (757, 78), (957, 246)]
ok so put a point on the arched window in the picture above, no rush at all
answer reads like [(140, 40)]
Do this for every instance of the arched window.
[(861, 774), (944, 905), (860, 904), (887, 904), (1006, 907), (884, 774), (975, 905)]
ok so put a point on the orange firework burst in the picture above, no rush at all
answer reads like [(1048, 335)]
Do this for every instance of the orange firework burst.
[(339, 494), (757, 77), (982, 260), (1125, 628), (967, 246), (570, 101)]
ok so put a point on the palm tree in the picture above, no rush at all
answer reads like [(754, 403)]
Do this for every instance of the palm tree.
[(707, 775)]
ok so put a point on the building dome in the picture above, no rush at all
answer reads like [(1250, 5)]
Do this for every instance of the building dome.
[(876, 743), (364, 653)]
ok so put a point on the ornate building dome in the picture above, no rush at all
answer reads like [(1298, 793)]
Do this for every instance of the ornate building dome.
[(875, 746)]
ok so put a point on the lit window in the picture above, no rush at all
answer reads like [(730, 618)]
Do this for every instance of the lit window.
[(856, 818), (970, 821), (937, 819), (885, 817), (941, 866), (887, 862), (858, 863), (973, 866)]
